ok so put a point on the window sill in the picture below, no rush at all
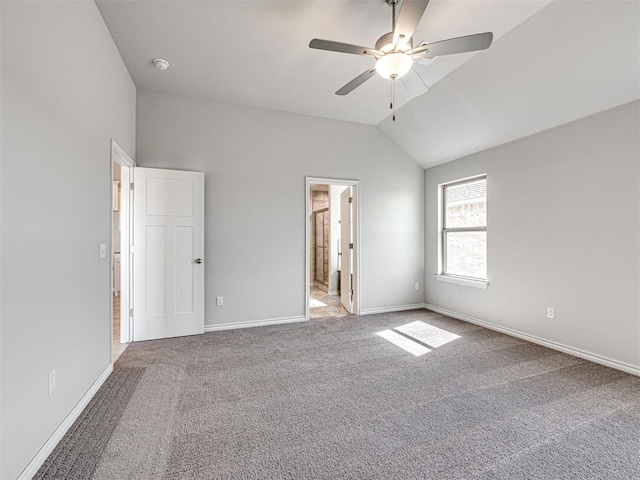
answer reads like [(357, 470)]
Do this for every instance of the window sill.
[(463, 281)]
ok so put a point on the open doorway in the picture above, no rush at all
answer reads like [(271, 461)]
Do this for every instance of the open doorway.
[(332, 250), (116, 273), (121, 166)]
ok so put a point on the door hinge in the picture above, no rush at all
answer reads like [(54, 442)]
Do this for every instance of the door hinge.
[(130, 312), (131, 186), (350, 199), (351, 246)]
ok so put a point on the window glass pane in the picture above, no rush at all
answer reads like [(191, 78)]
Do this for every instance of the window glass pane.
[(466, 205), (466, 254)]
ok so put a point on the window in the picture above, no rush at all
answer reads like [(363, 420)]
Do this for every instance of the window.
[(463, 235)]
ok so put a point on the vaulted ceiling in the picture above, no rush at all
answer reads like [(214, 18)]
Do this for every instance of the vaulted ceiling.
[(551, 62)]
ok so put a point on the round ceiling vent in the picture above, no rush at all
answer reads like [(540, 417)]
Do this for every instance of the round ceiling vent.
[(161, 64)]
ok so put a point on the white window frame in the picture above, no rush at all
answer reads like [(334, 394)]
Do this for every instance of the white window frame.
[(442, 231)]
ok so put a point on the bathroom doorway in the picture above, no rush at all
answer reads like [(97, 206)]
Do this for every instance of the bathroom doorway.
[(121, 166), (332, 252), (116, 274)]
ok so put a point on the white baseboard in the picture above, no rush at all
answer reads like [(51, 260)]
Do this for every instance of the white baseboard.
[(56, 436), (398, 308), (253, 323), (333, 292), (608, 362)]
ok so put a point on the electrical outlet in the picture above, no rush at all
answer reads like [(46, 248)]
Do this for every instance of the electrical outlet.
[(52, 381), (417, 286), (551, 312), (103, 250), (219, 301)]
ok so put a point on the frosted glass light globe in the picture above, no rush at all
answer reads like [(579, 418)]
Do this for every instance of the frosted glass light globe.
[(395, 64)]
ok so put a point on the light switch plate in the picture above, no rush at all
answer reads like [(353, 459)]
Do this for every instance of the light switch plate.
[(52, 381)]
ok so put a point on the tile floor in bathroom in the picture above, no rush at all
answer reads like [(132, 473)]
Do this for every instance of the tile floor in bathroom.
[(321, 304), (118, 347)]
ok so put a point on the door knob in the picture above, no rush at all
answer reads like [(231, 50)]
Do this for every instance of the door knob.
[(198, 260)]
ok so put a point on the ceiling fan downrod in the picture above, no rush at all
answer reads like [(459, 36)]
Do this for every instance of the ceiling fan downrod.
[(393, 12)]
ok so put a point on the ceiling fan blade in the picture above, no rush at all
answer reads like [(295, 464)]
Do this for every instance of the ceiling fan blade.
[(356, 82), (411, 12), (469, 43), (414, 84), (342, 47)]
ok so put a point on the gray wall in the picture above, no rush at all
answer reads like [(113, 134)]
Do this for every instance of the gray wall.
[(65, 94), (563, 231), (255, 163)]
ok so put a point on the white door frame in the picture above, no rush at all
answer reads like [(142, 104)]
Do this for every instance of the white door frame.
[(307, 238), (118, 155)]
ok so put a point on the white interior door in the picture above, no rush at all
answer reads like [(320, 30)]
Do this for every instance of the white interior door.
[(346, 246), (168, 251)]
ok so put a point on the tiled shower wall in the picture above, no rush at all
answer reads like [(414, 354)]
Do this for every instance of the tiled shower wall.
[(320, 256), (319, 200)]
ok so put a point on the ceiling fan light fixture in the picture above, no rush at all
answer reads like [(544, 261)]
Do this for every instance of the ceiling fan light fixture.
[(395, 65)]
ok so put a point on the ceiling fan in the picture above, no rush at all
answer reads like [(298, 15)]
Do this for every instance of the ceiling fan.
[(394, 51)]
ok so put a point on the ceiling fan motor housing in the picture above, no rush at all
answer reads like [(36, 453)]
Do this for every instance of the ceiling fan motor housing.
[(385, 43)]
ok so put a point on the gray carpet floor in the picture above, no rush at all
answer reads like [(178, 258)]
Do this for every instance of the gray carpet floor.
[(332, 399), (78, 453)]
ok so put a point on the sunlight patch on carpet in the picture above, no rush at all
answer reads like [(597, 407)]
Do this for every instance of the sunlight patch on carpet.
[(418, 337), (404, 343), (423, 332)]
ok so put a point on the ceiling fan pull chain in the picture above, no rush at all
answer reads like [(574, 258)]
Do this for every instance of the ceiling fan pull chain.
[(393, 96)]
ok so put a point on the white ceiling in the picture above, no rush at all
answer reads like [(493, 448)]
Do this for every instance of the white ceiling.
[(550, 63), (570, 60), (256, 52)]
